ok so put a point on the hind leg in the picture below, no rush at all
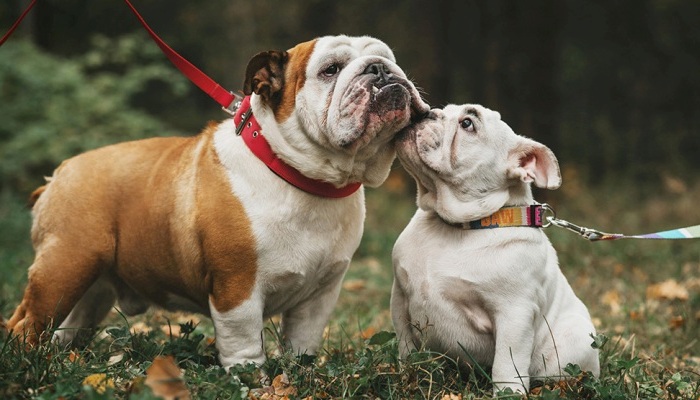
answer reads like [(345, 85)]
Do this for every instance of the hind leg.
[(569, 342), (76, 329), (58, 279)]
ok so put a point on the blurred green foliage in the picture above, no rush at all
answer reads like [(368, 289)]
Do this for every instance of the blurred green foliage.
[(54, 107)]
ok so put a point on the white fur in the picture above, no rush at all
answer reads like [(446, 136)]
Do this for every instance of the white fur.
[(304, 246), (304, 242), (319, 123), (498, 293)]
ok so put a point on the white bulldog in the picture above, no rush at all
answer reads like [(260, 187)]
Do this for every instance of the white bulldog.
[(202, 224), (492, 296)]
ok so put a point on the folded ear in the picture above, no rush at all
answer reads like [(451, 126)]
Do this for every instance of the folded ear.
[(531, 161), (264, 75)]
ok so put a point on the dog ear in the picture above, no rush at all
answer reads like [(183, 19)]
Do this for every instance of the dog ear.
[(534, 162), (264, 75)]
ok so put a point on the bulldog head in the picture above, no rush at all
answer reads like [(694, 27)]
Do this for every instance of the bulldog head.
[(468, 163), (331, 107)]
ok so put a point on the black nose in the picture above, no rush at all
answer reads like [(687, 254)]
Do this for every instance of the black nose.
[(380, 70)]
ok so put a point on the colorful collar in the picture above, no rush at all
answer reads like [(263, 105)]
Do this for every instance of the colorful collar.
[(531, 216), (248, 128)]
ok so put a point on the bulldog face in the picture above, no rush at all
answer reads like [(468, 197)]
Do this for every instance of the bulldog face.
[(468, 163), (347, 98)]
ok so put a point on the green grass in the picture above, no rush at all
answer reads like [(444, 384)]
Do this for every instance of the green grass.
[(649, 344)]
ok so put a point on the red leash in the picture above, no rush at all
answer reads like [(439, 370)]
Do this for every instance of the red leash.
[(194, 74), (251, 133), (16, 24)]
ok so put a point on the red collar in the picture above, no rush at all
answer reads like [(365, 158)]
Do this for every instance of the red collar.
[(248, 128)]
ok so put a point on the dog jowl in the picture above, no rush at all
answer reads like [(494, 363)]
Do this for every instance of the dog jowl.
[(202, 224)]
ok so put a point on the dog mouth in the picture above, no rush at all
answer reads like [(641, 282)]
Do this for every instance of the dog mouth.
[(378, 107), (416, 145)]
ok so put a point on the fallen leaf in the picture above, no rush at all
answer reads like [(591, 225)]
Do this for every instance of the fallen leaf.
[(667, 290), (692, 284), (452, 396), (636, 315), (99, 382), (676, 322), (73, 357), (171, 330), (368, 333), (165, 379), (115, 359), (354, 285), (139, 327), (280, 389), (282, 386), (611, 298)]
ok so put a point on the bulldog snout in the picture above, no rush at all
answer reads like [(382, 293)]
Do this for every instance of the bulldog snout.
[(380, 70)]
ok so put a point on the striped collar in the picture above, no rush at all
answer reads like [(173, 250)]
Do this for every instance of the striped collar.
[(529, 216)]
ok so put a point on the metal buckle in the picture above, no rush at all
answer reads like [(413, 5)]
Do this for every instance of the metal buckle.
[(244, 121), (234, 106), (587, 233)]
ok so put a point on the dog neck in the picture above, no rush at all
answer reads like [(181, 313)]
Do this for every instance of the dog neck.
[(248, 128)]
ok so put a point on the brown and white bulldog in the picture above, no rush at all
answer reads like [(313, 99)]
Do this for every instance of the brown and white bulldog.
[(202, 224)]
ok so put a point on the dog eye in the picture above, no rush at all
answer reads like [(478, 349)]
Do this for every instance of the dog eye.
[(331, 70), (467, 124)]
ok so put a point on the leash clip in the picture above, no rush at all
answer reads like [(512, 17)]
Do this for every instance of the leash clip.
[(234, 106), (586, 233)]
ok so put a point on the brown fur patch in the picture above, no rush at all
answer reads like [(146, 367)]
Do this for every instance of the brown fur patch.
[(157, 214), (264, 76), (295, 77), (226, 235)]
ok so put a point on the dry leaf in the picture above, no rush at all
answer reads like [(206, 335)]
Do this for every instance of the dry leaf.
[(280, 389), (171, 330), (611, 298), (73, 356), (115, 359), (667, 290), (354, 285), (140, 327), (676, 322), (99, 382), (636, 315), (452, 396), (368, 333), (165, 379), (282, 386)]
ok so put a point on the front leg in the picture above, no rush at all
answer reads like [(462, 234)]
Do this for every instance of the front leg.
[(239, 332), (303, 324), (514, 342), (400, 316)]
